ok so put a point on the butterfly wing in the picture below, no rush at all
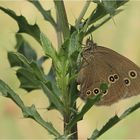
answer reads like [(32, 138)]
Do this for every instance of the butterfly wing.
[(102, 65)]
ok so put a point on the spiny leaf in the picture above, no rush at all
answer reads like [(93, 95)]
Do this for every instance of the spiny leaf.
[(45, 13), (107, 126), (130, 110), (101, 11), (27, 79), (114, 120), (24, 48), (98, 25), (53, 97), (47, 47), (79, 116), (51, 78), (28, 112), (110, 6), (8, 92), (17, 59), (38, 72), (31, 112), (14, 60), (29, 74), (31, 77), (24, 26)]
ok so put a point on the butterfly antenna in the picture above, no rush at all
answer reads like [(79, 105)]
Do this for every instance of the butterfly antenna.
[(91, 37)]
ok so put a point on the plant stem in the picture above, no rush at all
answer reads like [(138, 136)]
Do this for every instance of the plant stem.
[(73, 132), (63, 34), (82, 13), (74, 129), (63, 21), (59, 32), (73, 96)]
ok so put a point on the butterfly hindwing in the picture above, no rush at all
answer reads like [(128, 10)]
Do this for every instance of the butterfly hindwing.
[(102, 65)]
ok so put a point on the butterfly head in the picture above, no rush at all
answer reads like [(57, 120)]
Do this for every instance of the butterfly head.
[(90, 43), (90, 46)]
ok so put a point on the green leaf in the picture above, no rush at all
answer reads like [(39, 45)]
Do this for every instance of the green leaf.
[(98, 25), (53, 98), (53, 88), (30, 65), (45, 13), (24, 48), (47, 47), (30, 79), (110, 6), (73, 43), (41, 60), (37, 71), (14, 60), (114, 120), (27, 79), (51, 78), (22, 59), (29, 74), (27, 51), (8, 92), (130, 110), (89, 103), (17, 59), (97, 14), (31, 112), (101, 11), (79, 116), (24, 26), (51, 106), (28, 112)]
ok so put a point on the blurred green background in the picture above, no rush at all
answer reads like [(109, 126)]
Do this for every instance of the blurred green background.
[(123, 37)]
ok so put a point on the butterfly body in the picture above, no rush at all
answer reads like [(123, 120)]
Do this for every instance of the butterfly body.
[(103, 65)]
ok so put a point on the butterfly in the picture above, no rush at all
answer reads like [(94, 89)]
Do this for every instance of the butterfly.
[(103, 66)]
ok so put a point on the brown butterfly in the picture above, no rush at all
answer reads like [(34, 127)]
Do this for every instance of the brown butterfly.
[(103, 65)]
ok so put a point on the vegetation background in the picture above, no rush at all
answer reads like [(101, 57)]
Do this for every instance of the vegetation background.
[(123, 37)]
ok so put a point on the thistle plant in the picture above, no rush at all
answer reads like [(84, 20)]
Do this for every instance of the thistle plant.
[(59, 85)]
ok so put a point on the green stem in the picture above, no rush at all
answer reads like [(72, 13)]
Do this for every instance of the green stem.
[(74, 129), (58, 32), (82, 13), (63, 21), (87, 23)]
